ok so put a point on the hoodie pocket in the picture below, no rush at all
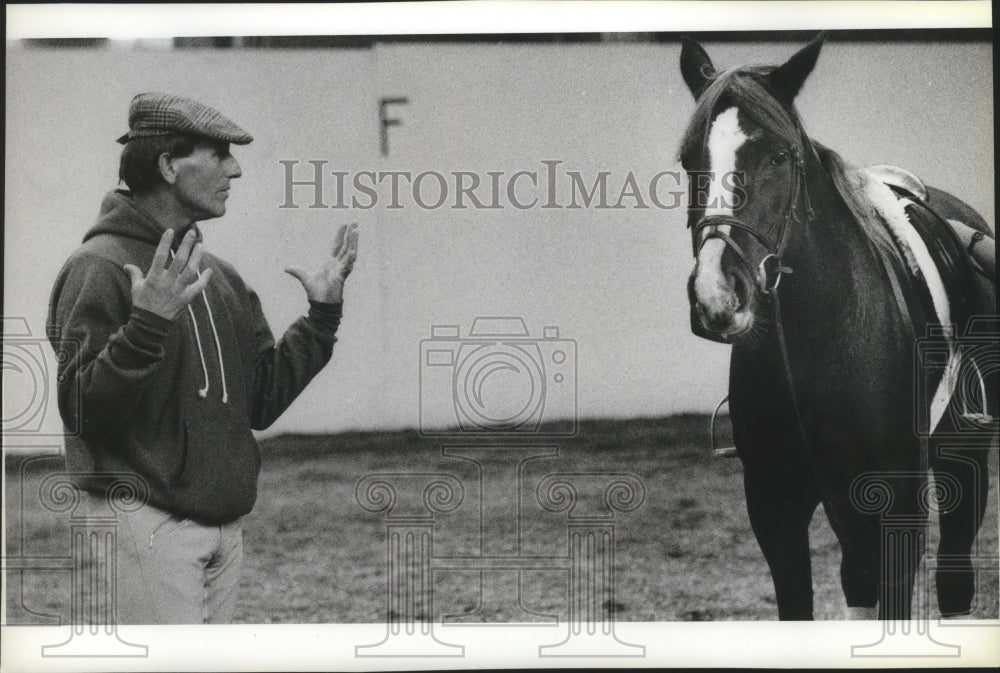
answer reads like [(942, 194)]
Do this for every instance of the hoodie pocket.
[(158, 453), (221, 465)]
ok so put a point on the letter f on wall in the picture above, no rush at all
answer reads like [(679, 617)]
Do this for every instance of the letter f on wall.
[(385, 122)]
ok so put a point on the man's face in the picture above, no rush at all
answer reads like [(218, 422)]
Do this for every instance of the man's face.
[(203, 177)]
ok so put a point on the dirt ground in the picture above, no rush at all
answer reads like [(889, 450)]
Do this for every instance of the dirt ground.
[(314, 555)]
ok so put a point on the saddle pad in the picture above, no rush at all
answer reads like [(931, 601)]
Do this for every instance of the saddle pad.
[(938, 261), (950, 258)]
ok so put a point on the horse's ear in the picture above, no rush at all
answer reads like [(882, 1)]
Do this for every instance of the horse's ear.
[(696, 66), (787, 79)]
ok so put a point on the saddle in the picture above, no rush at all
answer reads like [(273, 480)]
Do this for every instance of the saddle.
[(949, 231), (965, 266)]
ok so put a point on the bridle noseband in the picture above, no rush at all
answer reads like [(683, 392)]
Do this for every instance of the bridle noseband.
[(770, 270)]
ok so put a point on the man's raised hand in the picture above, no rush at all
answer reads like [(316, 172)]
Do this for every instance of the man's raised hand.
[(326, 284), (167, 290)]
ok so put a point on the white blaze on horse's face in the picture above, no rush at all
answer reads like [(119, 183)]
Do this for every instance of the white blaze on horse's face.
[(713, 287)]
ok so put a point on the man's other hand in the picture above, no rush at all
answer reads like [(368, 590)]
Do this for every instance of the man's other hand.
[(326, 284)]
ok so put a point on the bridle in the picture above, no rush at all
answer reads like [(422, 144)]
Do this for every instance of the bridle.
[(771, 268)]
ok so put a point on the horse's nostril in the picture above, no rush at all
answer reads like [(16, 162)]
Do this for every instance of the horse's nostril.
[(716, 322), (713, 320)]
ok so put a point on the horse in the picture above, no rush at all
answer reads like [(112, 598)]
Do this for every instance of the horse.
[(797, 266)]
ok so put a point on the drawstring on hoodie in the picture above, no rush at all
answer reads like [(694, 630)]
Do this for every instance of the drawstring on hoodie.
[(218, 347), (203, 392)]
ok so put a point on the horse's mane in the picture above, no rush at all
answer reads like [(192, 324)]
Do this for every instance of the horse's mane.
[(852, 185), (746, 87)]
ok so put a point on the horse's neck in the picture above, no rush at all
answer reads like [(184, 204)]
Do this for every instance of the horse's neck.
[(836, 270), (844, 343)]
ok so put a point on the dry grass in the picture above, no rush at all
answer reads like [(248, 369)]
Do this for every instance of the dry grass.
[(314, 556)]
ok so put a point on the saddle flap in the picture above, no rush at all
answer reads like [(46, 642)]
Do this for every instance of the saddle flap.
[(951, 259)]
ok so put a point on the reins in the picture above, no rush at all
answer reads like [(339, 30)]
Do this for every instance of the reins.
[(769, 272)]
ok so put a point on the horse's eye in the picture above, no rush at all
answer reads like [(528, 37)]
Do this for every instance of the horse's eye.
[(779, 159)]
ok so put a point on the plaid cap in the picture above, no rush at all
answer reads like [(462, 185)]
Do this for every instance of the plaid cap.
[(157, 114)]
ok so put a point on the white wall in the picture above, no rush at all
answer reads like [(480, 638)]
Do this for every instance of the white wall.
[(612, 280)]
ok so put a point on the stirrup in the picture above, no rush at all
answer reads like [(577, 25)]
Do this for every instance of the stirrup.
[(717, 451), (981, 418)]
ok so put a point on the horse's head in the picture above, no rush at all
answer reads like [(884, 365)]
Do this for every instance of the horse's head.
[(745, 155)]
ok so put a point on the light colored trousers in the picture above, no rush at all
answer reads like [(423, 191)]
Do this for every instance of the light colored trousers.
[(175, 571)]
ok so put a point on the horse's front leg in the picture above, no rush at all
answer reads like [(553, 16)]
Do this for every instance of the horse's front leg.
[(860, 585), (878, 573), (780, 485), (780, 503), (882, 537)]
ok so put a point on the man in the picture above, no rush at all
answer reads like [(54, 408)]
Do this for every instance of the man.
[(174, 362)]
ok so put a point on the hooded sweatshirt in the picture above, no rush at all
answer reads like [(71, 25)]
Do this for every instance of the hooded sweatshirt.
[(172, 401)]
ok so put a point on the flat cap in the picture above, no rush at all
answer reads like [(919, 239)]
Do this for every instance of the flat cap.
[(157, 114)]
